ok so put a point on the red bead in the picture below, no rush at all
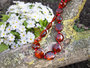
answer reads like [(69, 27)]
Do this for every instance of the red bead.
[(59, 27), (43, 33), (59, 18), (49, 25), (59, 37), (53, 19), (37, 39), (62, 4), (35, 45), (57, 48), (67, 1), (39, 53), (49, 55), (59, 11)]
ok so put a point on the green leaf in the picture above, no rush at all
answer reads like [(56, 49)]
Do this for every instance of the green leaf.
[(37, 32), (5, 17), (7, 25), (17, 35), (45, 23), (25, 23), (31, 6), (41, 28), (15, 41), (41, 23), (29, 29), (1, 23), (78, 29), (3, 47)]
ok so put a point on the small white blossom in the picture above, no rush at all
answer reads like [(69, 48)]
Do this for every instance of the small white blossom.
[(8, 29), (11, 37), (30, 23), (22, 28), (23, 35), (3, 34), (14, 45), (24, 41)]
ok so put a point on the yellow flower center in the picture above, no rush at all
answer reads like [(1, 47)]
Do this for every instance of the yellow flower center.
[(12, 37), (3, 33), (30, 38)]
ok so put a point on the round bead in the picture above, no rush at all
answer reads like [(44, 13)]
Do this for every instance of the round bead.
[(62, 4), (37, 39), (59, 37), (49, 25), (43, 33), (59, 11), (36, 45), (59, 18), (49, 55), (57, 48), (39, 53), (59, 27)]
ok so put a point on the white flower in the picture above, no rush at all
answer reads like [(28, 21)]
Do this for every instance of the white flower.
[(30, 23), (25, 9), (3, 34), (12, 7), (1, 40), (6, 41), (14, 45), (24, 41), (48, 18), (45, 10), (30, 34), (22, 28), (10, 42), (2, 27), (20, 43), (11, 37), (30, 37), (23, 35), (15, 26), (8, 29)]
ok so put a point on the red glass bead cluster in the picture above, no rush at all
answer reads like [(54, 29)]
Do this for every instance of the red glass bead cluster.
[(39, 53)]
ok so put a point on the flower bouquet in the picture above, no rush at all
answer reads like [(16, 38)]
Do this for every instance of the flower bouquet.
[(23, 22)]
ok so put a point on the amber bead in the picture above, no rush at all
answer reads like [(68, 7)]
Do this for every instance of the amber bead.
[(59, 18), (38, 39), (62, 4), (59, 11), (53, 19), (39, 53), (49, 25), (36, 45), (43, 33), (67, 1), (59, 27), (49, 55), (59, 37), (57, 48)]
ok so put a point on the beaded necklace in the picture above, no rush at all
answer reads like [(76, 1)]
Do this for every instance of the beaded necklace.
[(39, 53)]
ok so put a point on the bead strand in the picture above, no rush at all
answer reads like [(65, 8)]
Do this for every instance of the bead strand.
[(39, 53)]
